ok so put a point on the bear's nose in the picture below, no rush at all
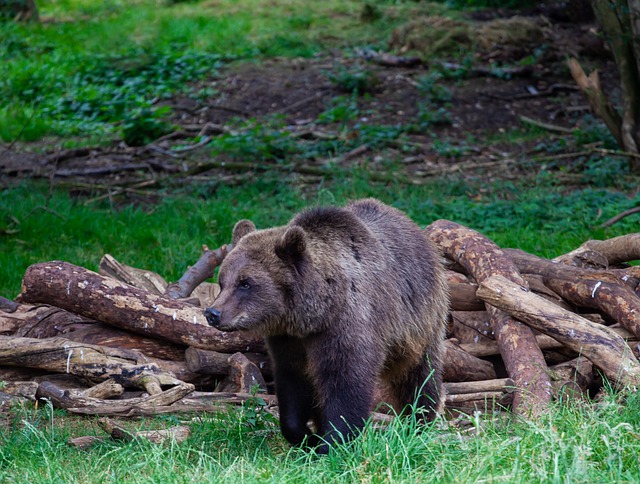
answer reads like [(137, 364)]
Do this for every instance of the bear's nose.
[(213, 316)]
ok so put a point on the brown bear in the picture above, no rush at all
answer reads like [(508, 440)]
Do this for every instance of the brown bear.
[(347, 299)]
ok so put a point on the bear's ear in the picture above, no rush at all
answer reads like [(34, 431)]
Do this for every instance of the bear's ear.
[(292, 245), (241, 229)]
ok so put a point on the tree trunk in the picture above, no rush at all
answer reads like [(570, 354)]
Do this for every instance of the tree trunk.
[(523, 358), (105, 299), (602, 346), (94, 362)]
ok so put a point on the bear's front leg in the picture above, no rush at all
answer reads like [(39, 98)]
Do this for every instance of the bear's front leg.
[(293, 387), (344, 374)]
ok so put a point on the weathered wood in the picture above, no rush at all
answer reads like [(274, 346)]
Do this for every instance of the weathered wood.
[(197, 402), (140, 278), (118, 432), (522, 357), (496, 385), (490, 348), (603, 290), (44, 321), (461, 366), (37, 321), (105, 299), (216, 363), (616, 250), (199, 272), (243, 376), (471, 326), (106, 389), (603, 347), (24, 389), (96, 406), (572, 378), (462, 297), (94, 362)]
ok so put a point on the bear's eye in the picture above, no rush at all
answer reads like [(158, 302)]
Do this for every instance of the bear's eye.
[(244, 284)]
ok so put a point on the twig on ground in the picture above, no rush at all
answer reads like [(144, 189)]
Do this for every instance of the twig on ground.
[(619, 217)]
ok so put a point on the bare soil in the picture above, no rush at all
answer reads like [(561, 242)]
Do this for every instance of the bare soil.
[(484, 107)]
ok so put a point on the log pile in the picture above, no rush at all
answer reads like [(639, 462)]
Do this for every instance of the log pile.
[(523, 330)]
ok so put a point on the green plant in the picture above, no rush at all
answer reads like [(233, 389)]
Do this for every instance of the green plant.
[(341, 110), (353, 79), (145, 125)]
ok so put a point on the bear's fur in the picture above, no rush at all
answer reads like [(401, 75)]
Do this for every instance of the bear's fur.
[(347, 298)]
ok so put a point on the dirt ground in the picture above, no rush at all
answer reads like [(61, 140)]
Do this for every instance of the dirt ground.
[(484, 107)]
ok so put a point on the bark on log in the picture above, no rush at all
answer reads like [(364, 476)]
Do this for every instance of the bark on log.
[(625, 248), (216, 363), (24, 389), (505, 385), (140, 278), (96, 406), (94, 362), (602, 346), (243, 376), (461, 366), (523, 358), (105, 299), (471, 326), (197, 273), (462, 297), (118, 432), (602, 290)]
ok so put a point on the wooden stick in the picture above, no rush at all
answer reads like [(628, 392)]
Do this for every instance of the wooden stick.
[(95, 362), (522, 356), (197, 273), (603, 347), (84, 292)]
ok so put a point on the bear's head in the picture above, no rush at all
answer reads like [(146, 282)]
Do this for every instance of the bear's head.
[(257, 277)]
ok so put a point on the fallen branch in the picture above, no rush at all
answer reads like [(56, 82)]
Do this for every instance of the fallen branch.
[(522, 357), (104, 299), (603, 347)]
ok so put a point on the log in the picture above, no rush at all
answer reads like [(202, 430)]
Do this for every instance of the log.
[(216, 363), (95, 406), (522, 357), (196, 403), (490, 348), (625, 248), (603, 347), (197, 273), (462, 297), (44, 321), (471, 326), (140, 278), (94, 362), (597, 289), (243, 376), (461, 366), (571, 379), (105, 299), (118, 432), (23, 389), (505, 385)]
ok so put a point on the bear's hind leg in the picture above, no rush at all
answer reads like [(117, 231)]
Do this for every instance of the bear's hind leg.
[(420, 386)]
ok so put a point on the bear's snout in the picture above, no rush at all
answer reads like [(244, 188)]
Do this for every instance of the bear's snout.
[(213, 317)]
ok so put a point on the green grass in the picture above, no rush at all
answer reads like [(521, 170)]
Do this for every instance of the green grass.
[(36, 225), (570, 443), (91, 65)]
